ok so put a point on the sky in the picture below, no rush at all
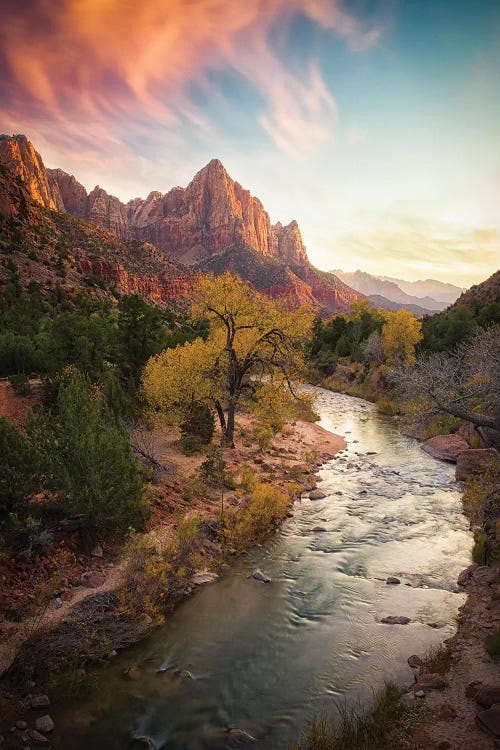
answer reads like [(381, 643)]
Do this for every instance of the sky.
[(376, 125)]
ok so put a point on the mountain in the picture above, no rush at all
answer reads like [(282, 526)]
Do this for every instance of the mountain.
[(213, 223), (386, 304), (442, 292), (392, 297), (485, 293), (54, 249)]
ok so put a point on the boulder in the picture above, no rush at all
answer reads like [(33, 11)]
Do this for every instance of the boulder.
[(45, 724), (474, 461), (204, 576), (392, 581), (466, 575), (414, 661), (260, 576), (37, 737), (395, 620), (316, 495), (487, 695), (445, 447), (489, 721), (40, 701)]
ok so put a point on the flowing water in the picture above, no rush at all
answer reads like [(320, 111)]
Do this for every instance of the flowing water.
[(263, 657)]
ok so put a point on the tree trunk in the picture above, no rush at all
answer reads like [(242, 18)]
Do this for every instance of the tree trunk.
[(229, 437), (222, 419)]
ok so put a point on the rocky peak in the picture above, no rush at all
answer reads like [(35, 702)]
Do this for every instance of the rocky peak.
[(18, 154)]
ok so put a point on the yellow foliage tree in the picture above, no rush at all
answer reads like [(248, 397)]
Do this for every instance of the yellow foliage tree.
[(400, 335), (251, 338)]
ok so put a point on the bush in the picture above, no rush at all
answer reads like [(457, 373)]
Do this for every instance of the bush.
[(17, 468), (267, 507), (492, 643), (480, 548), (199, 423), (87, 459), (20, 384), (389, 407)]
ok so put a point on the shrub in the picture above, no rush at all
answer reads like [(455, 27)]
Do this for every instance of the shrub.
[(439, 660), (389, 407), (267, 507), (480, 548), (492, 643), (87, 459), (20, 384), (17, 468), (199, 422)]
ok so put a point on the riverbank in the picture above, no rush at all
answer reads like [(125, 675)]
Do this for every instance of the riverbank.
[(86, 608)]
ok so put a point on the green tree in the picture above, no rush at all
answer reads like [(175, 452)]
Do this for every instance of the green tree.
[(87, 458), (17, 469), (141, 334)]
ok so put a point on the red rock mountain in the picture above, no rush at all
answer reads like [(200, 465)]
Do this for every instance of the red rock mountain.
[(202, 225)]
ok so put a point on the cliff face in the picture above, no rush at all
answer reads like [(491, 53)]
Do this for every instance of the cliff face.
[(204, 223)]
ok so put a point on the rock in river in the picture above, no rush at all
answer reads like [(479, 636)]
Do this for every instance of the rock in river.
[(204, 576), (316, 495), (45, 724), (260, 576), (395, 620), (392, 581), (445, 447)]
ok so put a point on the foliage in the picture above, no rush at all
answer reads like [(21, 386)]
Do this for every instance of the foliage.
[(87, 459), (448, 329), (250, 337), (198, 423), (17, 469), (464, 383), (140, 334), (266, 508), (387, 406), (385, 724), (479, 550), (439, 659), (400, 335), (20, 384), (274, 405)]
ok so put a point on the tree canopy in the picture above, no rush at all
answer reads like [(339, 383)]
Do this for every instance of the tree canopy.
[(250, 338)]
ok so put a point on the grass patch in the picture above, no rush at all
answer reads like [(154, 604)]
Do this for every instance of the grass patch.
[(439, 660), (389, 407), (492, 643), (480, 548), (376, 728)]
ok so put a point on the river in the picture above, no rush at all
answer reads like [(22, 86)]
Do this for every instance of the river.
[(264, 657)]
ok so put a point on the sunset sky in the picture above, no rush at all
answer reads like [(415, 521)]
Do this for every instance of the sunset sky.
[(375, 124)]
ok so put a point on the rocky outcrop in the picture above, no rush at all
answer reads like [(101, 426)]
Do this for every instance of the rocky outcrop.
[(20, 157), (211, 220), (445, 447), (474, 461)]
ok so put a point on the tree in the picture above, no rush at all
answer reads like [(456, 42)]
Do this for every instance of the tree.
[(17, 468), (464, 383), (400, 335), (141, 333), (373, 349), (250, 337), (87, 459)]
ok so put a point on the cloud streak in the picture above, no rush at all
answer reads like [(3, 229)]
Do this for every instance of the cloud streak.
[(103, 65)]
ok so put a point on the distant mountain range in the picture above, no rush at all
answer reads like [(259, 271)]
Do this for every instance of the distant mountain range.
[(420, 297)]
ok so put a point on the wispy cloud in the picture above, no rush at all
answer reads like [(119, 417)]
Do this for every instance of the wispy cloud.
[(83, 70)]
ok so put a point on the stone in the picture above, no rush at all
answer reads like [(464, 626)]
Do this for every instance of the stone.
[(487, 695), (318, 529), (419, 693), (316, 495), (489, 721), (466, 575), (40, 701), (445, 447), (432, 681), (395, 620), (474, 461), (37, 737), (92, 579), (414, 661), (22, 725), (392, 581), (183, 673), (45, 724), (260, 576), (133, 673), (203, 577)]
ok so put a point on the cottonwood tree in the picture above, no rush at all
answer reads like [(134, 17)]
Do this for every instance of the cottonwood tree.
[(400, 335), (464, 383), (250, 339)]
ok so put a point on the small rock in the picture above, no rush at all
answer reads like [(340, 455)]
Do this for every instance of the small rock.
[(465, 576), (184, 673), (204, 576), (432, 681), (37, 737), (134, 672), (260, 576), (21, 725), (45, 724), (419, 693), (487, 695), (316, 495), (319, 529), (414, 661), (392, 581), (112, 654), (39, 701), (395, 620)]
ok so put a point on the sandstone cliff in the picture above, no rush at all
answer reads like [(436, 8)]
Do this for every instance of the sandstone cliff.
[(203, 225)]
